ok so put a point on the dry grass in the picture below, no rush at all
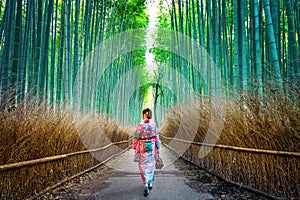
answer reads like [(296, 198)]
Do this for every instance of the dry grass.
[(35, 132), (30, 132), (273, 125)]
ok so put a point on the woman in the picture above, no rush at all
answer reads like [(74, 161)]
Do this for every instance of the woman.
[(146, 142)]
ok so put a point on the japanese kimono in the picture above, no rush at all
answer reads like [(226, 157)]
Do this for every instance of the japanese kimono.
[(146, 142)]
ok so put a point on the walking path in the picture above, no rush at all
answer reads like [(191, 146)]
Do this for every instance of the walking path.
[(169, 182), (120, 179)]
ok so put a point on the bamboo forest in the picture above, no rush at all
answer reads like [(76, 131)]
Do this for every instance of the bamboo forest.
[(218, 72)]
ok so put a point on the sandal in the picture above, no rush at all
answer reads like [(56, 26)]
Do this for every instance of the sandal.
[(146, 191), (150, 186)]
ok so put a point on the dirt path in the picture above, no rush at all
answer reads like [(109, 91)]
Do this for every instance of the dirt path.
[(120, 179)]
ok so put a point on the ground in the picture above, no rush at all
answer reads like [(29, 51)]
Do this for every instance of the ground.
[(120, 179)]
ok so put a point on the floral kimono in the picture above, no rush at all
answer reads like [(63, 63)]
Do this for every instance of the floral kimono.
[(146, 142)]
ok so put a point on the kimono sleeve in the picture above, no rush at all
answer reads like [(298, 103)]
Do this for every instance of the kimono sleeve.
[(157, 141), (136, 136)]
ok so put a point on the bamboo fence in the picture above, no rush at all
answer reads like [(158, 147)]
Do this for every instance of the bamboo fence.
[(29, 178), (271, 173)]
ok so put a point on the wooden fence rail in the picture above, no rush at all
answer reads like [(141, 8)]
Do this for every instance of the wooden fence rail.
[(275, 174), (287, 153), (26, 179)]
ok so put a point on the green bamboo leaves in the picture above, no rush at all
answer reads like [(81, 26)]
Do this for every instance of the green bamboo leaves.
[(44, 44), (253, 43)]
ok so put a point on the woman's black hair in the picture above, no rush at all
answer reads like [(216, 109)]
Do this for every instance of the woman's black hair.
[(148, 113)]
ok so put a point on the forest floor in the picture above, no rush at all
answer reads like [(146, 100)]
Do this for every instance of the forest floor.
[(177, 180)]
